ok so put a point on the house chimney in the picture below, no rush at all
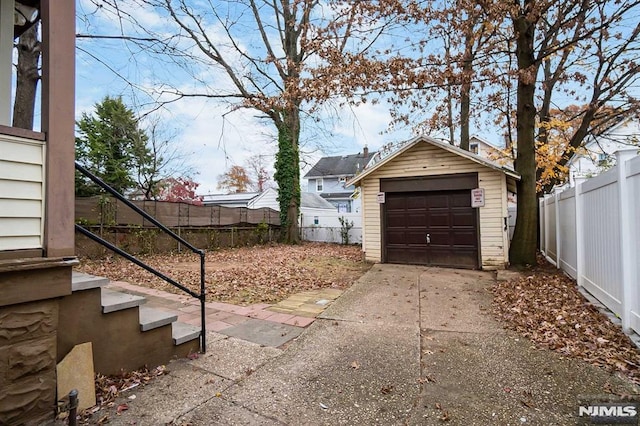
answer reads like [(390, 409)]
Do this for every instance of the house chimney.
[(365, 151)]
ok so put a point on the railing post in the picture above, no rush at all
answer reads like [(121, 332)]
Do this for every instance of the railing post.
[(203, 293), (73, 407), (626, 260)]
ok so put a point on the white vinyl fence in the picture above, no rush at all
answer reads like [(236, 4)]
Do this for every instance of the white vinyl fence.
[(592, 232), (326, 227)]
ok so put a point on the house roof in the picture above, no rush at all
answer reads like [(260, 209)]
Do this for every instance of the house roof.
[(307, 199), (446, 146), (340, 165), (314, 201), (222, 199), (336, 195)]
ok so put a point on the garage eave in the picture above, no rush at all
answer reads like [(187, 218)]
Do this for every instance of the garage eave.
[(356, 180)]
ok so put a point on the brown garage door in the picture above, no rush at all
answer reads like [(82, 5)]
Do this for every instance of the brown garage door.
[(436, 228)]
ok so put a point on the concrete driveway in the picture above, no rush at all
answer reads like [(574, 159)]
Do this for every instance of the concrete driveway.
[(405, 345)]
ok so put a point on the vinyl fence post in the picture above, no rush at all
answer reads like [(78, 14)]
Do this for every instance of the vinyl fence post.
[(626, 260), (579, 232), (546, 226), (540, 224), (558, 233)]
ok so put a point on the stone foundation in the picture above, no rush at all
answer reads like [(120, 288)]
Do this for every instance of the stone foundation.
[(28, 334)]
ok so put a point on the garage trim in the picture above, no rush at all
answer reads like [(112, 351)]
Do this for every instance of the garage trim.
[(429, 184), (449, 182)]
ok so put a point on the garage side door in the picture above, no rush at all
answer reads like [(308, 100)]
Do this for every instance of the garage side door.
[(435, 228)]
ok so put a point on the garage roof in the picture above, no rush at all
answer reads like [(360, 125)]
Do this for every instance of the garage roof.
[(447, 147)]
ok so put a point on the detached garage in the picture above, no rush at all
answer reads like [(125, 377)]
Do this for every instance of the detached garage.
[(431, 203)]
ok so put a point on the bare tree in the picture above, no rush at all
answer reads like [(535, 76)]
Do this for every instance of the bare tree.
[(266, 51), (257, 169)]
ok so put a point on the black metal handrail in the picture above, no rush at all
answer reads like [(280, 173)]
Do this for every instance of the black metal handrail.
[(131, 258)]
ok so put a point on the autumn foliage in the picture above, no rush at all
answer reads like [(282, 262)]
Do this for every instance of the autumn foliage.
[(179, 190), (234, 180)]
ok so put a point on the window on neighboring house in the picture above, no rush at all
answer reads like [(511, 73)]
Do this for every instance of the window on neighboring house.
[(473, 148), (316, 220), (319, 185), (343, 207), (602, 156)]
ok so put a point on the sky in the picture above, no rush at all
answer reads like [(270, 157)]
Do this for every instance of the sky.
[(212, 138)]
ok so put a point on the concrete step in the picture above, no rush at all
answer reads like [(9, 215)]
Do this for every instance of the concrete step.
[(183, 333), (81, 281), (113, 301), (151, 318)]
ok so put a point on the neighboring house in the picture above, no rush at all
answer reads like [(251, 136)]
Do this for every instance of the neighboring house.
[(329, 175), (37, 250), (598, 152), (418, 207), (312, 206), (239, 199), (485, 149)]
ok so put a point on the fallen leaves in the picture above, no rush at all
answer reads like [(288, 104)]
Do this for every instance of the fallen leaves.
[(245, 275), (547, 307), (108, 388)]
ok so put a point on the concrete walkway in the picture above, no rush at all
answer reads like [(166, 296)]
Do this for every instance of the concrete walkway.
[(403, 346), (264, 324)]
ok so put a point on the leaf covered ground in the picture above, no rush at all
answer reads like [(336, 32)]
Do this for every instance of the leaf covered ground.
[(245, 275), (545, 306)]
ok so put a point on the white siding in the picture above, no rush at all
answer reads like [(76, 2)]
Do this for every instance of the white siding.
[(329, 226), (269, 199), (427, 160), (21, 193)]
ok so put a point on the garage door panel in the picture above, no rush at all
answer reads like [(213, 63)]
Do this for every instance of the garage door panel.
[(439, 219), (463, 219), (439, 238), (406, 255), (437, 200), (448, 218), (416, 203), (416, 237), (395, 221), (396, 237), (454, 259), (415, 219), (395, 204), (461, 200)]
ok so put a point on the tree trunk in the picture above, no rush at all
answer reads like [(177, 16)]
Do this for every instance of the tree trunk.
[(523, 245), (27, 79), (449, 92), (288, 174), (465, 92)]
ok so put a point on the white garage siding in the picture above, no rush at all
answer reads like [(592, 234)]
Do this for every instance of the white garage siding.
[(427, 160)]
